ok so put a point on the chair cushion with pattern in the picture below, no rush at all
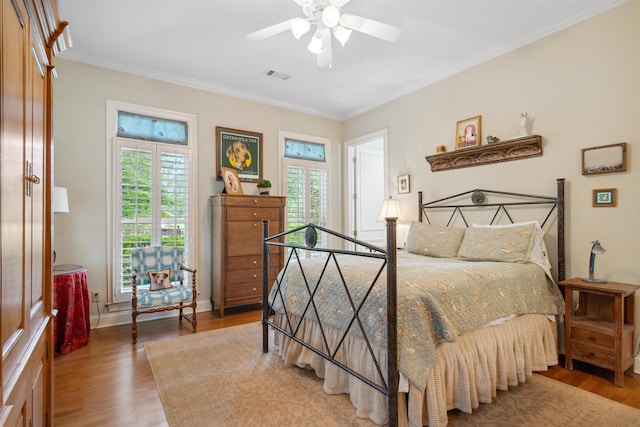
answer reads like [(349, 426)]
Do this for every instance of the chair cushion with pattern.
[(167, 297)]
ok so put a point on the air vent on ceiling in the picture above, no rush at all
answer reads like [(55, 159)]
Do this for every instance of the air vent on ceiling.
[(277, 75)]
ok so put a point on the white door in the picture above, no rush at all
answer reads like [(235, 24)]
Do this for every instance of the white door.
[(366, 187)]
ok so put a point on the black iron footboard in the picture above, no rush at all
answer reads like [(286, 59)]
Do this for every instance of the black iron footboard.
[(306, 237)]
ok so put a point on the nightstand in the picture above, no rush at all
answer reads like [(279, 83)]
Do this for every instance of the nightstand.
[(600, 331)]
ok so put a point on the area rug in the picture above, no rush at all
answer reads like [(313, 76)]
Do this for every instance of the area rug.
[(222, 378)]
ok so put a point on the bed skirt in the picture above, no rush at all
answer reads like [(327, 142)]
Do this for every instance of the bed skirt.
[(465, 374)]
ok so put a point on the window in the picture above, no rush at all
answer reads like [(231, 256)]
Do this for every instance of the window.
[(152, 188), (306, 180)]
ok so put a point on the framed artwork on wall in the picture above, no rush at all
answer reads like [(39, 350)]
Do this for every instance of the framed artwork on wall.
[(468, 132), (605, 197), (604, 159), (240, 150), (404, 184), (231, 180)]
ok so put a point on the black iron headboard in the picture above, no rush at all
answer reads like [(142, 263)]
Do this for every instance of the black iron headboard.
[(501, 203)]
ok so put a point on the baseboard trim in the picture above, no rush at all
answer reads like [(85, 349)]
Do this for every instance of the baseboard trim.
[(106, 320)]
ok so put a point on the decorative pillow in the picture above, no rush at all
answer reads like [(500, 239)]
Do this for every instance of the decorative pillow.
[(433, 240), (538, 253), (503, 244), (160, 279)]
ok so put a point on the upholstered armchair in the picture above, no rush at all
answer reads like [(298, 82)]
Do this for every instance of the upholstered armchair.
[(157, 284)]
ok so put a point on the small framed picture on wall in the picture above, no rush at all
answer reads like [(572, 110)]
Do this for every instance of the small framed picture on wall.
[(604, 159), (605, 197), (403, 184)]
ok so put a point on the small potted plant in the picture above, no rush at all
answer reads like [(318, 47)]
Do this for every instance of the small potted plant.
[(264, 186)]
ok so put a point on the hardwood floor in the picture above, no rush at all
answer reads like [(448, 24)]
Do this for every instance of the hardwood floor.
[(109, 381)]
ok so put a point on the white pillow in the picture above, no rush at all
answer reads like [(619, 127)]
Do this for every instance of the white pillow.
[(537, 250)]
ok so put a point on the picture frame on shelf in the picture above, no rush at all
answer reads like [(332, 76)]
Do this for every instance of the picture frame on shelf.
[(240, 150), (605, 197), (604, 159), (468, 132), (404, 184), (231, 181)]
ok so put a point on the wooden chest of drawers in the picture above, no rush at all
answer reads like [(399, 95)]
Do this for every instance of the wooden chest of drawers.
[(236, 252)]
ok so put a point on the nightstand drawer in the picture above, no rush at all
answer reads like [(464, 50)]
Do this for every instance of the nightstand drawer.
[(589, 337), (592, 354)]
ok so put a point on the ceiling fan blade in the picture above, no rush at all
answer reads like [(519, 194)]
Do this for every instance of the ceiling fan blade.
[(370, 27), (325, 58), (270, 31)]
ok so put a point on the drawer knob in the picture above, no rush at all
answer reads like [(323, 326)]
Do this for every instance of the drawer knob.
[(255, 201), (255, 262), (255, 214), (255, 225), (254, 289), (254, 276)]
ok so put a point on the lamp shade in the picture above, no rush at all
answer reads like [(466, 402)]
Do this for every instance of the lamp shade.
[(60, 200), (299, 27), (390, 209), (342, 34), (316, 45)]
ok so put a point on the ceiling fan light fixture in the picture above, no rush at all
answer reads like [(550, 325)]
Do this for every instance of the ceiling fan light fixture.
[(330, 16), (316, 45), (342, 34), (299, 27)]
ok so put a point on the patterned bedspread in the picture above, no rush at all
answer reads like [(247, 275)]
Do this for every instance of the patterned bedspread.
[(438, 299)]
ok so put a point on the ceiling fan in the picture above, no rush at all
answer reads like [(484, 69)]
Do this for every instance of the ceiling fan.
[(325, 15)]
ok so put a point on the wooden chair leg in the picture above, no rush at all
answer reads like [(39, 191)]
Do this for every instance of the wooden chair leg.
[(134, 327)]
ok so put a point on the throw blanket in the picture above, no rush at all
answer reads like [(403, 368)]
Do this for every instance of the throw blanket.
[(438, 299)]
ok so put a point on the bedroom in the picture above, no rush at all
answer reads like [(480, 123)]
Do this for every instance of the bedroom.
[(580, 84)]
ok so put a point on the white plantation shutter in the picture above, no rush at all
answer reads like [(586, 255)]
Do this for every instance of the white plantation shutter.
[(153, 202), (175, 204), (296, 197), (307, 195)]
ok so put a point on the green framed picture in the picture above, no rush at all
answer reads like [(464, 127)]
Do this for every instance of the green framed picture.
[(240, 150), (604, 197)]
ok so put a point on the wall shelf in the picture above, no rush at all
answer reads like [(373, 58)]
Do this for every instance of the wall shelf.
[(512, 149)]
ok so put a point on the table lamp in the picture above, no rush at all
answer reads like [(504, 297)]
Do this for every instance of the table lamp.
[(595, 250), (60, 202), (390, 209)]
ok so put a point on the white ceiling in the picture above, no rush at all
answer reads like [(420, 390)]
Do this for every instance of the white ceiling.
[(201, 43)]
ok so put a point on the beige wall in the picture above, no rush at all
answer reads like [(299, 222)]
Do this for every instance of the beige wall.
[(582, 88), (81, 91)]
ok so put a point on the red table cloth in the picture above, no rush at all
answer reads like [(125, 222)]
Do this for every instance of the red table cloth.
[(71, 299)]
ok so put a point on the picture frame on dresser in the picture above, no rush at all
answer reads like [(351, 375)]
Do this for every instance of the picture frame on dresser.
[(240, 150), (231, 180)]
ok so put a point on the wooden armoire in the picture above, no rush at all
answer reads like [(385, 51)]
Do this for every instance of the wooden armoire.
[(32, 34)]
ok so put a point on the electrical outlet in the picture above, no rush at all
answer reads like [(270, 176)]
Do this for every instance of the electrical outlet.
[(95, 296)]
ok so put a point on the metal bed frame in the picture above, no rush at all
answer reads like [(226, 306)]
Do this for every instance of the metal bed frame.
[(309, 234)]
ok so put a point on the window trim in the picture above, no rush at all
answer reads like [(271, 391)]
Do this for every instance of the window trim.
[(112, 108)]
